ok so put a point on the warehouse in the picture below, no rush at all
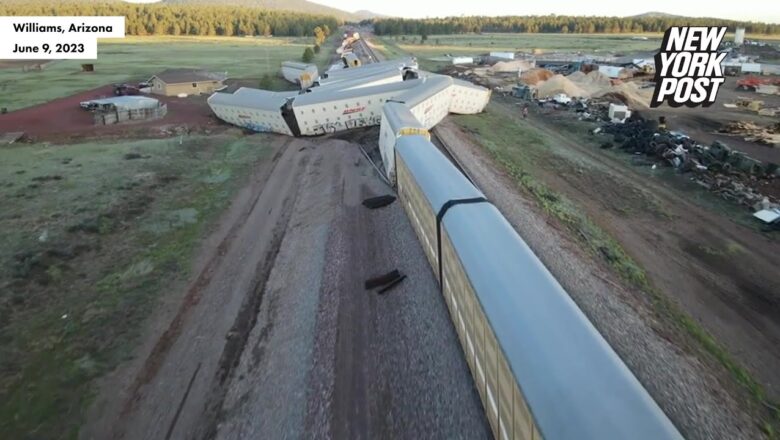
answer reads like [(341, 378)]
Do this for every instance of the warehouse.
[(174, 82)]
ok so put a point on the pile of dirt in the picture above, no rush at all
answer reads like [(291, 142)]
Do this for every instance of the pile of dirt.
[(559, 84), (535, 76), (627, 92), (511, 66)]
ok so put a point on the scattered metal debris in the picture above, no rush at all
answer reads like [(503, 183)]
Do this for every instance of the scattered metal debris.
[(394, 283), (731, 174), (381, 280), (378, 202), (388, 280)]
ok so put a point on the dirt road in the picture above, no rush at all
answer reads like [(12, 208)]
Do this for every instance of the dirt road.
[(699, 397), (277, 338)]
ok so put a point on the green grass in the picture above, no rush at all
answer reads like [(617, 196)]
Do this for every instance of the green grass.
[(476, 44), (89, 241), (521, 150), (138, 58)]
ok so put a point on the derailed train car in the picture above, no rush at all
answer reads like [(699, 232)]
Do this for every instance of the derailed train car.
[(397, 121), (348, 101), (301, 74), (257, 110), (332, 110), (430, 101), (541, 369)]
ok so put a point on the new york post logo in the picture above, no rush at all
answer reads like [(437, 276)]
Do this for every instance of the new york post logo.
[(687, 69)]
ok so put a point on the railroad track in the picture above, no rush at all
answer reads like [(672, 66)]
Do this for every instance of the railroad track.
[(444, 148)]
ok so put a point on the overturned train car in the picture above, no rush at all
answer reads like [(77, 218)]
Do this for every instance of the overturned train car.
[(342, 102)]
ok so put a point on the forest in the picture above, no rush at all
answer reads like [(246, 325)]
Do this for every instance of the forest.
[(164, 19), (556, 24)]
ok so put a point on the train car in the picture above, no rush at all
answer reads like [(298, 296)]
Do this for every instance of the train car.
[(350, 60), (400, 64), (367, 79), (430, 101), (301, 74), (257, 110), (468, 98), (329, 111), (541, 369), (423, 197), (397, 121)]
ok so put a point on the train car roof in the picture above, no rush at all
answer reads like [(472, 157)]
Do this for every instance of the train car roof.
[(252, 98), (437, 177), (298, 65), (360, 70), (429, 86), (576, 385), (352, 82), (399, 116), (326, 95)]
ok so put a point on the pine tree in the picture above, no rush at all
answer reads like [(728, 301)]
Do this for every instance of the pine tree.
[(308, 55)]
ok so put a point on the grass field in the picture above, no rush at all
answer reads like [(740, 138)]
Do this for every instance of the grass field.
[(136, 59), (475, 44), (91, 235)]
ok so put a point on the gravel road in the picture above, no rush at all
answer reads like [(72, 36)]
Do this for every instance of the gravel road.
[(328, 359), (276, 336)]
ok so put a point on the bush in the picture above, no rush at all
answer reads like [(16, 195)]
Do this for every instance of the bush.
[(308, 55), (266, 82)]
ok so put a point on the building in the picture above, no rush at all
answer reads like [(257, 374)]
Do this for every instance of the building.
[(739, 36), (173, 82)]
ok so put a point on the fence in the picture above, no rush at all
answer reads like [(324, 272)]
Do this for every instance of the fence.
[(116, 116)]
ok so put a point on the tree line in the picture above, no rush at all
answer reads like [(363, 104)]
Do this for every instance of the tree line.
[(555, 24), (166, 19)]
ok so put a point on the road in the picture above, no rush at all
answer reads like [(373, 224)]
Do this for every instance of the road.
[(277, 337)]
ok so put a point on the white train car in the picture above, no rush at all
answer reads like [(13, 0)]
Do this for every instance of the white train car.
[(329, 111), (255, 109), (299, 73), (397, 121), (468, 98), (368, 79), (402, 64), (430, 101), (351, 60)]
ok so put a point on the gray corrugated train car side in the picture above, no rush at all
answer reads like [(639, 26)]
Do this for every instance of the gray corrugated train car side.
[(541, 368)]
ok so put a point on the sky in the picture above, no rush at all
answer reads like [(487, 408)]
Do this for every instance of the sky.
[(754, 10)]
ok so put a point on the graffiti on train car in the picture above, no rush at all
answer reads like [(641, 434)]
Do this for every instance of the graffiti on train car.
[(255, 126), (332, 127)]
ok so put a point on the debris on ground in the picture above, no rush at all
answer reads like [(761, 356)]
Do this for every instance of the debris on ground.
[(769, 216), (378, 202), (753, 132), (381, 280), (731, 174), (394, 283), (388, 280), (11, 137)]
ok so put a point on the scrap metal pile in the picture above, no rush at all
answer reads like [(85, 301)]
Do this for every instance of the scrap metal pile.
[(731, 174)]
